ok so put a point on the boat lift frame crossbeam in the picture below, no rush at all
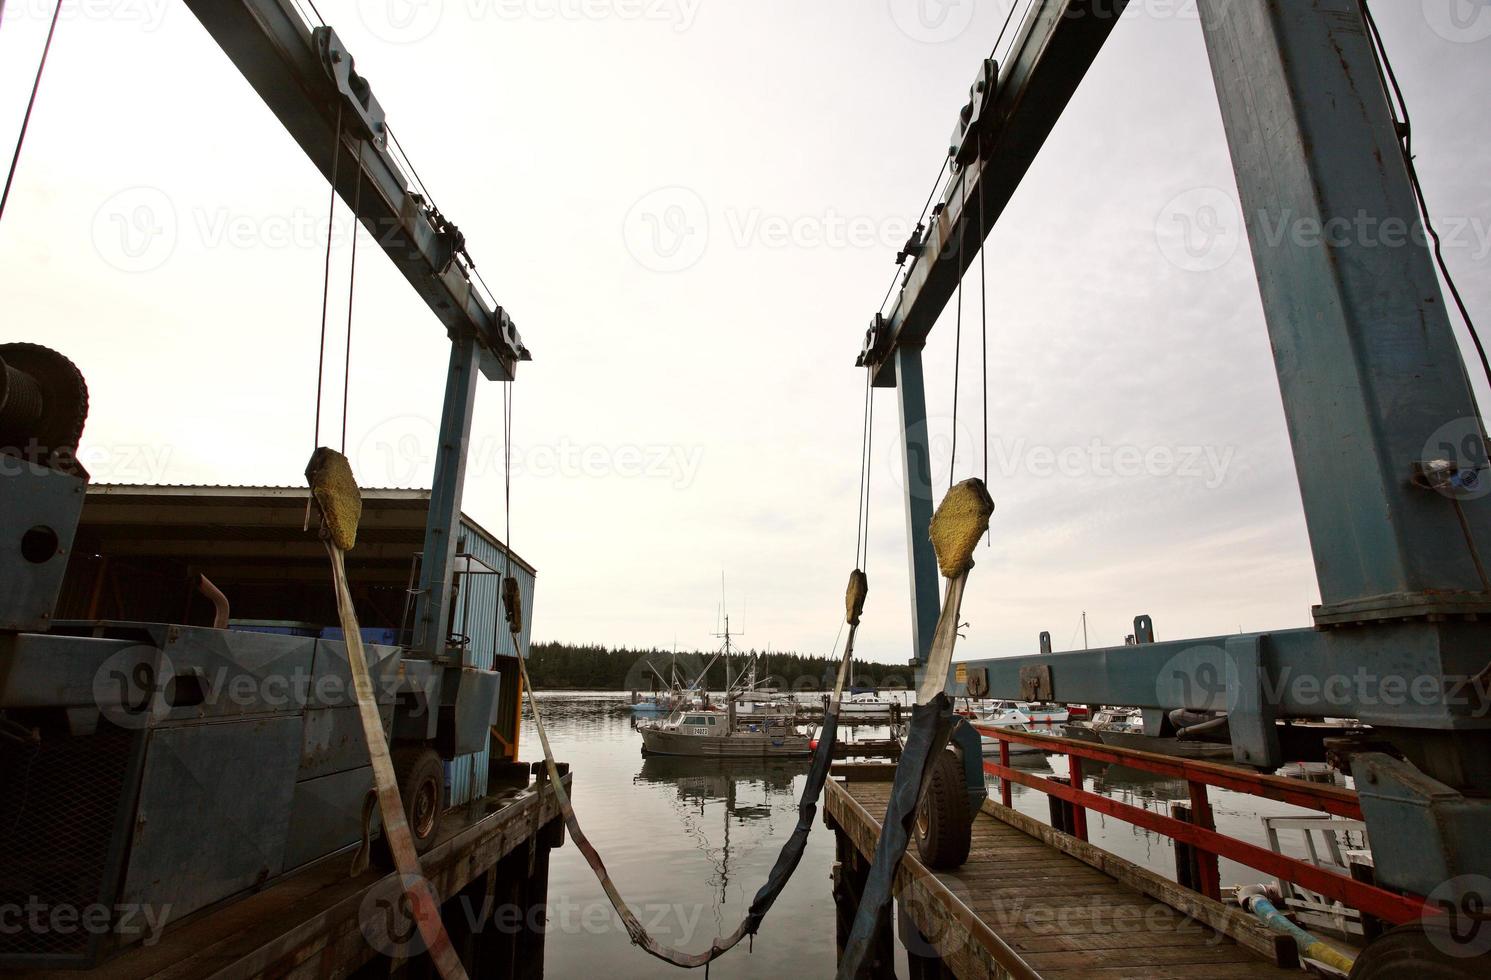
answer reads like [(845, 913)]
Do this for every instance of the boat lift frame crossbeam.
[(308, 80), (1374, 388)]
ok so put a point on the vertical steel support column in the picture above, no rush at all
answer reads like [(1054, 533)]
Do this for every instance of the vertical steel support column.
[(434, 605), (1371, 375), (916, 471)]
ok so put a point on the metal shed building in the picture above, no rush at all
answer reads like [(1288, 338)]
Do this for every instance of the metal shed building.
[(140, 551)]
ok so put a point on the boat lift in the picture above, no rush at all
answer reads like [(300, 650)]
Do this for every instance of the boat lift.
[(1387, 437)]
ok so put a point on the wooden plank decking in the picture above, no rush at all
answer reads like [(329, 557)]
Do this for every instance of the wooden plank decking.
[(308, 926), (1022, 908)]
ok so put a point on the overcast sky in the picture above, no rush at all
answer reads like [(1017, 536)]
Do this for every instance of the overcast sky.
[(691, 208)]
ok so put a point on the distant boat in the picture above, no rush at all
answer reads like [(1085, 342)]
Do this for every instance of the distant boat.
[(1000, 714), (700, 731), (866, 704), (715, 734), (991, 744)]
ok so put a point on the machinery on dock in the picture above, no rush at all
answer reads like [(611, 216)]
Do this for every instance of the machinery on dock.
[(167, 766)]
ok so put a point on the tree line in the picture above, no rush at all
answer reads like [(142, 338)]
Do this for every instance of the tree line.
[(560, 666)]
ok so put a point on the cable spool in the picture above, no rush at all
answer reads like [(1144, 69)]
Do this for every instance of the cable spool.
[(43, 406)]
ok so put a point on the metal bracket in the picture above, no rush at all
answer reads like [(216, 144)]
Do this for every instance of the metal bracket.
[(1250, 714), (976, 681), (354, 88), (1045, 643), (966, 144), (1035, 683), (1143, 629)]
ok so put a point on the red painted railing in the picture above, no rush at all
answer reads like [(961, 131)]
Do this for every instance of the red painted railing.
[(1201, 833)]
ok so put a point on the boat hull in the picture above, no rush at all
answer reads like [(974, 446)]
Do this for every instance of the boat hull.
[(749, 745)]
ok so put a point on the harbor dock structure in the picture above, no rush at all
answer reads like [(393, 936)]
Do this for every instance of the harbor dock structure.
[(1038, 899)]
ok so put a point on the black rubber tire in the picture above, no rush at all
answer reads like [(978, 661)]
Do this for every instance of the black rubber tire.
[(944, 820), (1410, 951), (421, 779)]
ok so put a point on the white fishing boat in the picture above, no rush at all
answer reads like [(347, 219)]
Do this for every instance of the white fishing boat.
[(999, 714), (862, 705)]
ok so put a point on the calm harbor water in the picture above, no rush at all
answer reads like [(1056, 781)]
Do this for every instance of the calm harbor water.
[(689, 842)]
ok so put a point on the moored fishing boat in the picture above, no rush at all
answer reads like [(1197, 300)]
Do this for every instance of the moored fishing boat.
[(718, 734)]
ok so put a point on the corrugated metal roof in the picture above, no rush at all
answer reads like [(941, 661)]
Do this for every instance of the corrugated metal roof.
[(102, 498)]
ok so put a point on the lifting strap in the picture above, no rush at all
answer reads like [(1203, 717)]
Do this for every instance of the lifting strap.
[(792, 851), (337, 497), (961, 519)]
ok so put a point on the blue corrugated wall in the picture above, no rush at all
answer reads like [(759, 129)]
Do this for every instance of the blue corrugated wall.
[(479, 616)]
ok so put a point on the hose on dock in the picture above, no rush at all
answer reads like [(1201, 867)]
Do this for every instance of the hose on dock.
[(792, 851), (1256, 899)]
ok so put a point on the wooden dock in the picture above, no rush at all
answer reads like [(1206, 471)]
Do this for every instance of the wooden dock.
[(1033, 902), (491, 854)]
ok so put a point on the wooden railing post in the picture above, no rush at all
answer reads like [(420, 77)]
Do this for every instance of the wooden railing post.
[(1208, 873), (1006, 792), (1079, 812)]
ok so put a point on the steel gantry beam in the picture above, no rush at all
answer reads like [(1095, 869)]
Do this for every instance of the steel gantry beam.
[(1388, 440), (1051, 53), (309, 80)]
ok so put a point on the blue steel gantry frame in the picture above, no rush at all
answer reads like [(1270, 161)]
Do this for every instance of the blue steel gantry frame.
[(1386, 434), (309, 80)]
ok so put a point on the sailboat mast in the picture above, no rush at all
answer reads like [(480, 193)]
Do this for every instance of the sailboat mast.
[(1084, 629)]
